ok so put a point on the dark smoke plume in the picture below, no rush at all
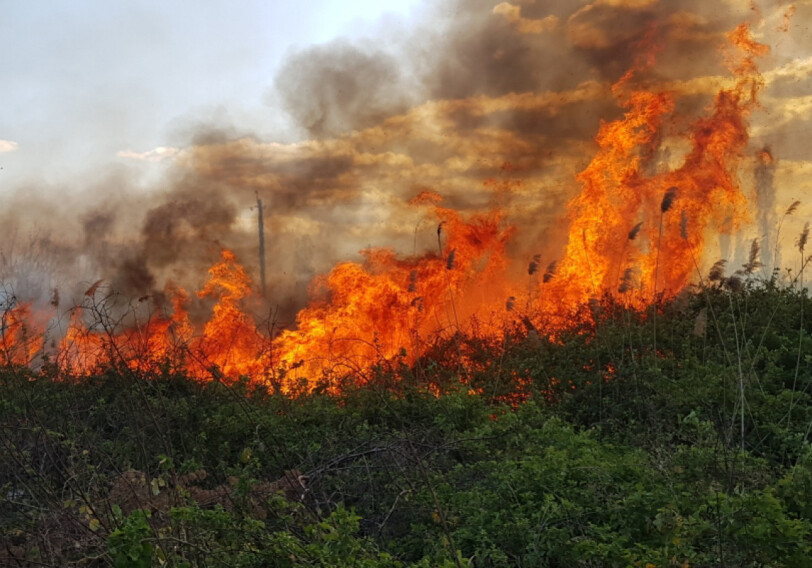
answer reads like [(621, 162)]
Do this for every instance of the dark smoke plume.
[(485, 103)]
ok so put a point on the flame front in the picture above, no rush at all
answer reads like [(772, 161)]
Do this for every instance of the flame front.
[(388, 305), (637, 231), (607, 251)]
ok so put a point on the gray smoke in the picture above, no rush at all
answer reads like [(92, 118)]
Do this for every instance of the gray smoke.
[(483, 102)]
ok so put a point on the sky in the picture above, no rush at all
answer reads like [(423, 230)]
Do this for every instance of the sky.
[(89, 82)]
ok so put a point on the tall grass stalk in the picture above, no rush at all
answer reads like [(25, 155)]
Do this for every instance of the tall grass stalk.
[(790, 211), (801, 244), (665, 205), (716, 273)]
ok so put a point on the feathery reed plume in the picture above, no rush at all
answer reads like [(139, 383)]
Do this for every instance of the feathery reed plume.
[(734, 283), (533, 267), (635, 230), (665, 205), (717, 271), (511, 301), (790, 210), (752, 260), (701, 323), (550, 272), (627, 274), (439, 236), (55, 298), (803, 238), (626, 281), (90, 292), (801, 243), (683, 224), (418, 303), (668, 198), (449, 264), (413, 281)]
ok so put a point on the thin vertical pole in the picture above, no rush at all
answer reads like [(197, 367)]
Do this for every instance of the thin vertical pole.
[(261, 227)]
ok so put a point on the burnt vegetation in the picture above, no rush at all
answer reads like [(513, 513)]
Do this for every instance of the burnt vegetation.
[(587, 448)]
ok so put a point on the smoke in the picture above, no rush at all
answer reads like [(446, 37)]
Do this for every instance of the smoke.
[(488, 104), (334, 88)]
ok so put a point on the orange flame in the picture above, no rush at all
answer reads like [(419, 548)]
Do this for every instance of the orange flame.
[(376, 309), (20, 341), (676, 207)]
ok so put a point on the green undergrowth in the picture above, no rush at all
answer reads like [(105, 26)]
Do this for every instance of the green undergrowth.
[(592, 449)]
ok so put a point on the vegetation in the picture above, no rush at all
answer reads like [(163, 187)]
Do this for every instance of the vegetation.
[(591, 448)]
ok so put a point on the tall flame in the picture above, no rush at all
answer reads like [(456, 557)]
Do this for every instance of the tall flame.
[(676, 208), (376, 309)]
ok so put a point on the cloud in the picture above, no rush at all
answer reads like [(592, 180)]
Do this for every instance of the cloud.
[(158, 154), (7, 146)]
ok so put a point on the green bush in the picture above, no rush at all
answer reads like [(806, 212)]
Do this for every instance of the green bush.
[(590, 449)]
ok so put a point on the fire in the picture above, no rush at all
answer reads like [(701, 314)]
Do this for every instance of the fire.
[(19, 339), (676, 208), (230, 341), (637, 231), (376, 309), (229, 344)]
